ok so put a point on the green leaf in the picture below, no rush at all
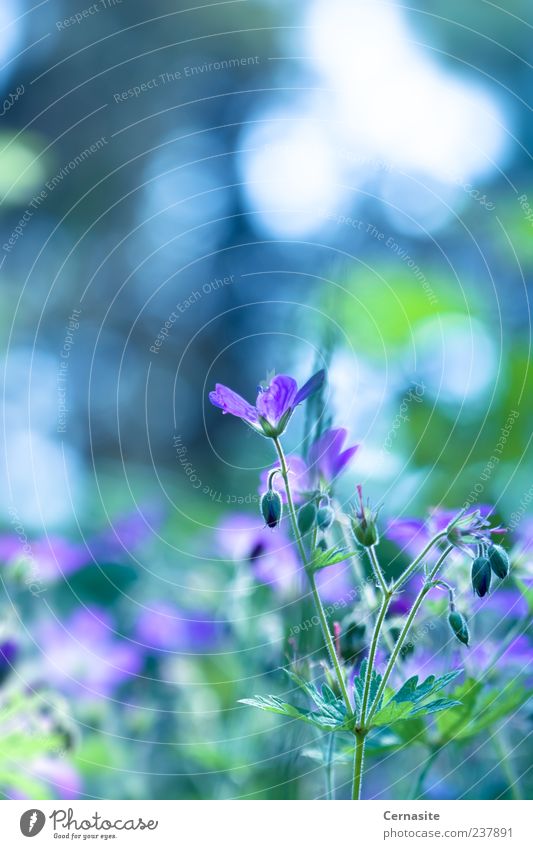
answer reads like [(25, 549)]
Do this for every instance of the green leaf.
[(434, 707), (330, 717), (392, 712), (480, 710), (411, 700), (336, 554), (412, 691), (359, 685)]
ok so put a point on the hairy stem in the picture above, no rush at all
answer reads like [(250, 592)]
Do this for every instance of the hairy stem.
[(406, 628), (358, 763), (328, 639), (376, 568), (417, 561), (501, 746), (330, 755), (385, 602), (418, 791)]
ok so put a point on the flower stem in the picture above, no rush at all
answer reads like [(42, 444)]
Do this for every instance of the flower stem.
[(328, 639), (385, 602), (376, 568), (405, 630), (417, 561), (358, 762), (433, 754), (503, 752), (330, 755)]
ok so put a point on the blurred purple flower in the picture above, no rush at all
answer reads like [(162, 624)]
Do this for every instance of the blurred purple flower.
[(61, 777), (8, 654), (327, 457), (274, 403), (335, 584), (270, 555), (327, 460), (162, 626), (412, 535), (83, 656), (55, 556)]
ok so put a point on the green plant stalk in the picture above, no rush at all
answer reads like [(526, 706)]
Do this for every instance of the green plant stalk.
[(385, 602), (328, 639), (418, 790), (416, 562), (330, 755), (376, 568), (501, 747), (358, 764), (405, 630)]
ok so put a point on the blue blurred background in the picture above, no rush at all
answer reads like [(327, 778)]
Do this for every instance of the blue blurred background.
[(193, 195)]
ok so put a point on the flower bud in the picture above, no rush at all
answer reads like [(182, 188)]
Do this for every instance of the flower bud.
[(459, 627), (499, 561), (481, 574), (363, 522), (306, 517), (322, 544), (325, 517), (271, 507)]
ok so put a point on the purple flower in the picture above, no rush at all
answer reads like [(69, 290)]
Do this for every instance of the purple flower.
[(274, 405), (327, 460), (335, 585), (328, 457), (412, 535), (52, 557), (61, 777), (471, 528), (163, 627), (270, 555), (8, 655), (83, 656)]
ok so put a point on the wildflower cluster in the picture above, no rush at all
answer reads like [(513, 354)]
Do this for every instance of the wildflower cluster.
[(358, 700)]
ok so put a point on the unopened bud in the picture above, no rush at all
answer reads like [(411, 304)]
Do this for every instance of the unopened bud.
[(271, 507), (363, 522), (322, 544), (306, 517), (481, 574), (459, 627), (325, 517), (499, 561)]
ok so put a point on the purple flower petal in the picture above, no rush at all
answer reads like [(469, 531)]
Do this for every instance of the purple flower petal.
[(326, 454), (300, 479), (162, 626), (231, 402), (273, 402), (270, 556), (410, 535), (313, 384)]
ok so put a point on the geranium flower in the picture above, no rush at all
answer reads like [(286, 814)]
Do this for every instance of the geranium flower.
[(270, 556), (328, 457), (274, 405), (327, 460), (412, 535), (164, 627), (83, 656)]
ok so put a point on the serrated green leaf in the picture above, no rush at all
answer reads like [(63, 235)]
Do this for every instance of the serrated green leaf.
[(392, 712), (480, 710), (412, 691), (328, 694), (330, 717), (336, 554), (359, 685), (434, 707)]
